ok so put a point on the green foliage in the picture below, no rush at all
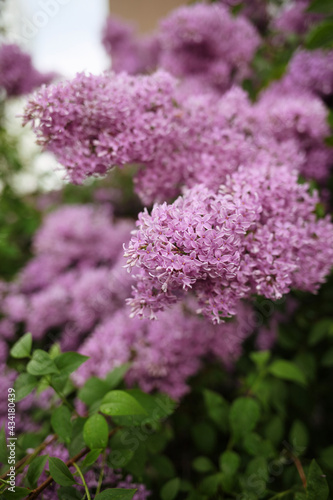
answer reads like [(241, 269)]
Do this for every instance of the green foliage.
[(321, 36), (121, 403), (95, 432), (61, 422), (317, 488), (115, 494), (22, 348), (244, 415), (35, 470), (60, 472), (287, 371)]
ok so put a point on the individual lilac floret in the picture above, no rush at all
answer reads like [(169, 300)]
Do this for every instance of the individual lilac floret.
[(17, 74), (165, 353), (128, 51), (96, 122), (206, 41), (258, 235)]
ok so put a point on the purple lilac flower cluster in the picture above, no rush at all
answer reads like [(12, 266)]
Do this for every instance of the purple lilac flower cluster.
[(128, 51), (206, 43), (202, 44), (75, 288), (96, 122), (75, 278), (163, 353), (17, 74), (293, 108), (293, 18), (257, 235), (118, 119)]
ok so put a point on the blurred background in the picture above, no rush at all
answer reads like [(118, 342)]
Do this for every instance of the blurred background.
[(65, 35)]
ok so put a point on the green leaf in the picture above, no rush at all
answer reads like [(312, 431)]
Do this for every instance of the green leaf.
[(203, 464), (298, 437), (120, 458), (244, 415), (274, 430), (55, 350), (229, 463), (68, 362), (114, 377), (77, 442), (22, 348), (41, 364), (217, 409), (210, 484), (321, 7), (326, 457), (95, 432), (61, 422), (35, 470), (18, 494), (170, 489), (116, 494), (91, 457), (121, 403), (287, 370), (255, 445), (93, 390), (260, 358), (69, 493), (327, 359), (156, 407), (136, 466), (60, 472), (320, 36), (164, 466), (205, 436), (317, 487), (24, 385), (320, 330)]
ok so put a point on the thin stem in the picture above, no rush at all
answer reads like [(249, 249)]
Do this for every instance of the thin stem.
[(83, 480), (101, 475), (300, 470)]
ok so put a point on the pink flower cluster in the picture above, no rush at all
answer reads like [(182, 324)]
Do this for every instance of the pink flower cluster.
[(128, 51), (75, 278), (258, 235), (206, 43), (203, 44), (165, 353), (17, 74), (94, 123), (293, 18), (74, 291), (293, 108)]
